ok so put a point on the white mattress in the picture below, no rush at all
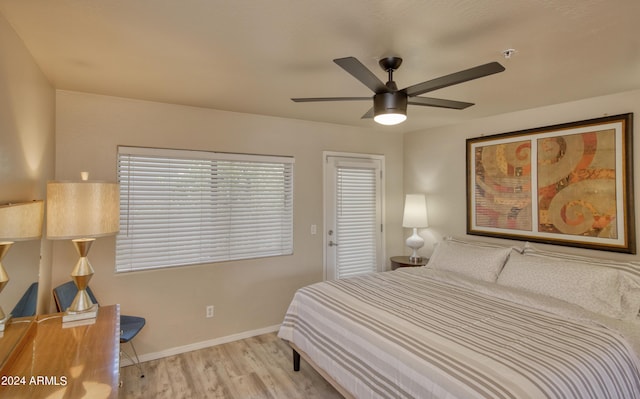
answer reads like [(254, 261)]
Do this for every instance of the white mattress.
[(418, 333)]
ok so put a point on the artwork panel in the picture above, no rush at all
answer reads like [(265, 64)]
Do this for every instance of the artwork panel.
[(577, 184), (503, 185)]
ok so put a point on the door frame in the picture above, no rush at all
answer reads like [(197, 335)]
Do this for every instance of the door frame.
[(325, 241)]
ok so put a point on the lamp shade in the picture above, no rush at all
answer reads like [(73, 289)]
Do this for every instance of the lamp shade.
[(415, 211), (22, 221), (82, 209)]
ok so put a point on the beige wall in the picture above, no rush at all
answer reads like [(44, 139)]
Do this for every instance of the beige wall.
[(247, 295), (435, 161), (27, 112)]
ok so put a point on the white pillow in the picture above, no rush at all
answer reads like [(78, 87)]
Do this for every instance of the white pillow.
[(598, 289), (630, 268), (629, 271), (482, 263), (483, 244)]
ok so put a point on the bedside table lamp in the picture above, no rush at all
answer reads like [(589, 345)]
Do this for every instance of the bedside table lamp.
[(18, 222), (415, 216), (82, 211)]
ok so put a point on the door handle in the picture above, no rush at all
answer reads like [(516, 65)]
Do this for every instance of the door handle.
[(333, 244)]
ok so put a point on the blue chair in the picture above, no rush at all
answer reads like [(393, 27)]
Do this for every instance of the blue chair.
[(26, 306), (130, 326)]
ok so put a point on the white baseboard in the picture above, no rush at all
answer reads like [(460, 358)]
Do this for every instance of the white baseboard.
[(198, 345)]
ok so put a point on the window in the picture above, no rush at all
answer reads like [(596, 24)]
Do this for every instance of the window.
[(357, 221), (191, 207)]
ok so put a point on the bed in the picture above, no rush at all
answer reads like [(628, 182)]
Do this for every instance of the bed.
[(476, 322)]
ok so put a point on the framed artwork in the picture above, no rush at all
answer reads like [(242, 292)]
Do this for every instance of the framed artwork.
[(568, 184)]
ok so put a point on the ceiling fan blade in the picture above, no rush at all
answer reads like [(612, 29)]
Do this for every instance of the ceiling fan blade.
[(316, 99), (438, 102), (368, 114), (360, 72), (454, 78)]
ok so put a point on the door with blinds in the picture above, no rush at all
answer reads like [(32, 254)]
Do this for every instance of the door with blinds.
[(354, 242)]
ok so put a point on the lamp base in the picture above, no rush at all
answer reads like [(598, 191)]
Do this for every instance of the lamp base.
[(415, 242), (415, 259), (4, 279), (78, 323), (71, 316), (82, 308), (4, 322)]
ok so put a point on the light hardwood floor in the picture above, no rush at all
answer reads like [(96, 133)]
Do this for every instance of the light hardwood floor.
[(257, 367)]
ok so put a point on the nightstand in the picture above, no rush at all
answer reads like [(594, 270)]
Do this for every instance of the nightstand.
[(403, 261)]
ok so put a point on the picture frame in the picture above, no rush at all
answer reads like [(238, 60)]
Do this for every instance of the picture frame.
[(568, 184)]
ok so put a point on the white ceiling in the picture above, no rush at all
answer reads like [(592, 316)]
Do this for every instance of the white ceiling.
[(254, 55)]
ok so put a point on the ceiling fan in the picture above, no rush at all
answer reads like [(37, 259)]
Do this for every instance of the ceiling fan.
[(389, 103)]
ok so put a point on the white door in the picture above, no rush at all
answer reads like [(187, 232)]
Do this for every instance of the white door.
[(353, 225)]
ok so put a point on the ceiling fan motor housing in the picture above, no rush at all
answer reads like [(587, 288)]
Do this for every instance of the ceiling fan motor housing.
[(390, 103)]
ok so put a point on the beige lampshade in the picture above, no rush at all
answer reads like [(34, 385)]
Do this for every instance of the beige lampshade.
[(82, 209), (22, 221), (415, 211)]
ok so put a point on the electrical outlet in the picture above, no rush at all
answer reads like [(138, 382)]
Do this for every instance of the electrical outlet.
[(209, 311)]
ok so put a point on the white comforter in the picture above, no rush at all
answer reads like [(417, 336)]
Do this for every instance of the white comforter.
[(418, 333)]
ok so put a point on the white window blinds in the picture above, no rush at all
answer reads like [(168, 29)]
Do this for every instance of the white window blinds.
[(191, 207), (356, 221)]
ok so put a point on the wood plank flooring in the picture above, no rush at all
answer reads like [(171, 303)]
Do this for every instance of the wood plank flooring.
[(257, 367)]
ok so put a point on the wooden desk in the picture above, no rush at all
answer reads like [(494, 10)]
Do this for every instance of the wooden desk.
[(18, 333), (71, 362)]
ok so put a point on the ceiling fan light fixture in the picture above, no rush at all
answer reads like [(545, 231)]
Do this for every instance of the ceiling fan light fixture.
[(390, 119), (390, 108)]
